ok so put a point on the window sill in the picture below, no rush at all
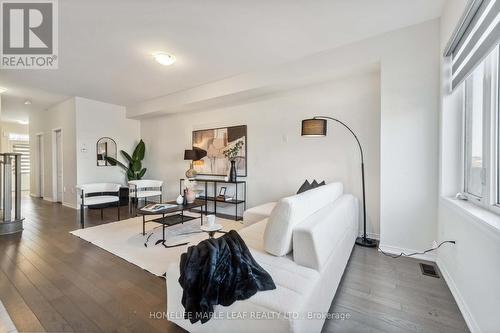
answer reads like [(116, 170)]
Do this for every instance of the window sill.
[(484, 217)]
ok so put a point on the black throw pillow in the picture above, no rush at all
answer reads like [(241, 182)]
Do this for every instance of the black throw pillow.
[(304, 187)]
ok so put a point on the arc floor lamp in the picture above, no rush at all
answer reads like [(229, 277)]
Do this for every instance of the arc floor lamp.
[(317, 127)]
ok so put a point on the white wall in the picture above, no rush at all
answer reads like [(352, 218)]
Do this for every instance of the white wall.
[(279, 159), (83, 122), (95, 120), (409, 92), (409, 154), (60, 116), (471, 266)]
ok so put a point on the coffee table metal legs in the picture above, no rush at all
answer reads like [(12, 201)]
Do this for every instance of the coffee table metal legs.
[(163, 240), (143, 225), (164, 226)]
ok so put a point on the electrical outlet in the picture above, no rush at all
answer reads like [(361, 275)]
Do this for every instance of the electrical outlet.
[(64, 189), (434, 244)]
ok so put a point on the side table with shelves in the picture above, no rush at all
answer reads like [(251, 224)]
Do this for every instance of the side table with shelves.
[(238, 200)]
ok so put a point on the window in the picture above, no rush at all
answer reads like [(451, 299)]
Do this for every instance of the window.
[(24, 150), (474, 166), (18, 137), (482, 134)]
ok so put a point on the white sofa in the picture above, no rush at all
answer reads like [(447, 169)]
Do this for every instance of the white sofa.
[(320, 227)]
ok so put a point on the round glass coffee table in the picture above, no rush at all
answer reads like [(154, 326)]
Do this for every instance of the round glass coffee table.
[(211, 230)]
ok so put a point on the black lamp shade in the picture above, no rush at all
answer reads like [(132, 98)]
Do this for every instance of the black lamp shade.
[(314, 127), (190, 155)]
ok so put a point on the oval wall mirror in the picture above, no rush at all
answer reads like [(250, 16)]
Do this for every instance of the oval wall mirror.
[(105, 147)]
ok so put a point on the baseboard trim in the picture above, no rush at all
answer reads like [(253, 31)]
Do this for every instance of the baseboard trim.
[(69, 205), (397, 250), (48, 199), (464, 309), (371, 235)]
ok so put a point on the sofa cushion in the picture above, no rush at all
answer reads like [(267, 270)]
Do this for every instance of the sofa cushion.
[(292, 210), (315, 238)]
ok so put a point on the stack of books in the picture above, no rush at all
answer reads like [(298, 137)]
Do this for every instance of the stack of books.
[(157, 207)]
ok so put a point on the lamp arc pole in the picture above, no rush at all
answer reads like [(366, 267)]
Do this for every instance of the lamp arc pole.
[(362, 241)]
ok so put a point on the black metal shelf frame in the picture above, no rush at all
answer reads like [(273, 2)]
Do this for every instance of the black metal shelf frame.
[(214, 182)]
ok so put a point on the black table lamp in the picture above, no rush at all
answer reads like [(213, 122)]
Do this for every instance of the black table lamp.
[(190, 155), (317, 127)]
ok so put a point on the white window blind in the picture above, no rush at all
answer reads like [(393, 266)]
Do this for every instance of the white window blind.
[(477, 34), (24, 150)]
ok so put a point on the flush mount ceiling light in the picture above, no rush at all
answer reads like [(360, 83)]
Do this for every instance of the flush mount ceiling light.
[(23, 122), (2, 90), (27, 102), (164, 58)]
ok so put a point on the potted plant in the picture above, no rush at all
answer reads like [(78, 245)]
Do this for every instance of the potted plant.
[(134, 170), (231, 154)]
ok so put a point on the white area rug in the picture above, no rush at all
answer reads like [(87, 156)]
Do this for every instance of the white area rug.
[(125, 240), (6, 324)]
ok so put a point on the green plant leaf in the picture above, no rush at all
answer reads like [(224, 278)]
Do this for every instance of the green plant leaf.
[(111, 160), (139, 151), (114, 162), (127, 156), (136, 166), (141, 173), (130, 175)]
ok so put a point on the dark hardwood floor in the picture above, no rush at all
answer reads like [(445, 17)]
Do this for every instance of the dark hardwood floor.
[(53, 281)]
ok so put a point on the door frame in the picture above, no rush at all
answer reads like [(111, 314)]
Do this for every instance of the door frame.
[(39, 165), (55, 166)]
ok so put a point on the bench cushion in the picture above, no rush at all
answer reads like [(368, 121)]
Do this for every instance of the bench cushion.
[(146, 194), (100, 199)]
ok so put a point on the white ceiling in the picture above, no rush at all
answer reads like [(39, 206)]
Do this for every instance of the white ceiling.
[(105, 46), (13, 108)]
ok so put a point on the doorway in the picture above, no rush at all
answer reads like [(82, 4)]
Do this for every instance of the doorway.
[(39, 169), (57, 172)]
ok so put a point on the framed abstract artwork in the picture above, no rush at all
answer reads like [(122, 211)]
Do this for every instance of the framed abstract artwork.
[(210, 145)]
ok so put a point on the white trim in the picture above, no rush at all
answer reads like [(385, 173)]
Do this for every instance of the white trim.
[(39, 174), (464, 309), (397, 250), (70, 205), (55, 184), (485, 219), (371, 235), (48, 199)]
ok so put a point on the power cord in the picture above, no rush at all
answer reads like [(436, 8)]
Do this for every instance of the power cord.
[(402, 254)]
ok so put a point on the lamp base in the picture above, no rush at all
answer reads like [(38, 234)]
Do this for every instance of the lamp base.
[(366, 242), (191, 173)]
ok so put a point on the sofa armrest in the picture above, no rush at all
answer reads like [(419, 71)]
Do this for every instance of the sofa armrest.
[(315, 239), (258, 213)]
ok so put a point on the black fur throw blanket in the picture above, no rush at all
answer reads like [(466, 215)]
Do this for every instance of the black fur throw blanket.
[(219, 271)]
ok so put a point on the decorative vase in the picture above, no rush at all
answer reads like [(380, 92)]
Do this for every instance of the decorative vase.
[(190, 196), (232, 172), (179, 200), (184, 198)]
